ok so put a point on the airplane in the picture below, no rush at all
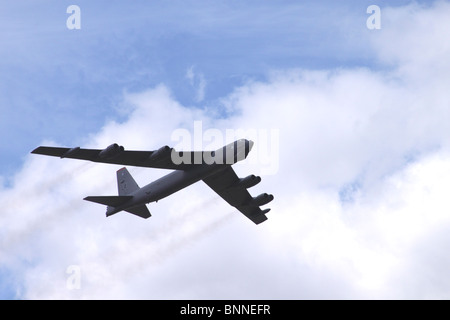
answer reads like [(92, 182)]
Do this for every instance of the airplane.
[(213, 167)]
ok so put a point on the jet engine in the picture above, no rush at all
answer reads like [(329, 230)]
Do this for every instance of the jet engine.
[(262, 199), (248, 181), (112, 151), (161, 153)]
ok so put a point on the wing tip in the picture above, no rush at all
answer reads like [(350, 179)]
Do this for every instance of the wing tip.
[(36, 150), (259, 219)]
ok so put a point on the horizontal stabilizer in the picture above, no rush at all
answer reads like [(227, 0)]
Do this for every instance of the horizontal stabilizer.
[(141, 211), (113, 201)]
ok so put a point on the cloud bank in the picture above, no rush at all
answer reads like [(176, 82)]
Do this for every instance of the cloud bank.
[(360, 211)]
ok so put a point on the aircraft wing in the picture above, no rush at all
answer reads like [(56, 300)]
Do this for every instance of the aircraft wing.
[(227, 185), (116, 154)]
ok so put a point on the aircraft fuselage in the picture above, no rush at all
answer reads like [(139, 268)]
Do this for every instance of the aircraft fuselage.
[(179, 179)]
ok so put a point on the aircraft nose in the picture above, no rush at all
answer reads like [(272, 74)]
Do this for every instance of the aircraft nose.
[(250, 145)]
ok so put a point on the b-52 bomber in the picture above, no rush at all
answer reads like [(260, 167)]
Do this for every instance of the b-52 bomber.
[(213, 167)]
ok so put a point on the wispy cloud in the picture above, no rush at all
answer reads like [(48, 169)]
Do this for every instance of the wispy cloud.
[(198, 82)]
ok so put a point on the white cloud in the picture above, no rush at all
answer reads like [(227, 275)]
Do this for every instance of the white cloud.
[(378, 136), (382, 241)]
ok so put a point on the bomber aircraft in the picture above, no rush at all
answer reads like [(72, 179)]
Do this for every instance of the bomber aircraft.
[(213, 167)]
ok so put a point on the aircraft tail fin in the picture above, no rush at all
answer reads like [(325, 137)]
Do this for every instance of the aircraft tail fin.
[(126, 186), (125, 182)]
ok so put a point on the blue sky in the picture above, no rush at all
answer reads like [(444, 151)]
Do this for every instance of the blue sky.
[(360, 114), (60, 84)]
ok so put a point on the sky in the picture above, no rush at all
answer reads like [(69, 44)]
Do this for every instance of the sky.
[(351, 137)]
